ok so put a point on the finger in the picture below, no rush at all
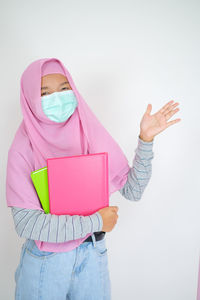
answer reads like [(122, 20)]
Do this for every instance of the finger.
[(115, 208), (170, 108), (173, 122), (166, 106), (149, 108), (171, 113)]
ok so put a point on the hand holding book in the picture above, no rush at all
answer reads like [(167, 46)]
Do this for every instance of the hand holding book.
[(109, 216)]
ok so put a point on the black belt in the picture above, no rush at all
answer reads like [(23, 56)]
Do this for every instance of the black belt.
[(98, 236)]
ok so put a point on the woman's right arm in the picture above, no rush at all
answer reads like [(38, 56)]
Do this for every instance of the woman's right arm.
[(29, 218), (37, 225)]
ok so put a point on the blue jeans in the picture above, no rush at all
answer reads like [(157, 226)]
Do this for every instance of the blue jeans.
[(80, 274)]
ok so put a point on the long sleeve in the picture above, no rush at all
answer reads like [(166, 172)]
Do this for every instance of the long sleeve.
[(35, 224), (140, 172)]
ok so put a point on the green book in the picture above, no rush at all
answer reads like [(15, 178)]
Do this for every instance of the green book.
[(40, 181)]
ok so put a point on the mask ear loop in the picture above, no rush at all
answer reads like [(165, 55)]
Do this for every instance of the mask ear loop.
[(93, 239)]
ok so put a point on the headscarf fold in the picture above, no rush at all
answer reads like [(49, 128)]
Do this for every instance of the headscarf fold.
[(38, 138)]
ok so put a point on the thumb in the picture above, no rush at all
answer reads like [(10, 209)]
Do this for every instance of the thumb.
[(149, 108)]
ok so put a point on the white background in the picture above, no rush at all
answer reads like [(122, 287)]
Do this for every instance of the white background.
[(122, 55)]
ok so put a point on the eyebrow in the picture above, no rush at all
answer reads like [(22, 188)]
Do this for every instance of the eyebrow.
[(46, 87)]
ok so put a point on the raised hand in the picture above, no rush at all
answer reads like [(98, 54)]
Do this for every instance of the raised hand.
[(151, 125)]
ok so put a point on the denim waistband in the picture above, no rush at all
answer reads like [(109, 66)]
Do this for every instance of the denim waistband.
[(30, 244)]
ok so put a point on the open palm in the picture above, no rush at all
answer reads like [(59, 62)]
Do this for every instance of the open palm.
[(151, 125)]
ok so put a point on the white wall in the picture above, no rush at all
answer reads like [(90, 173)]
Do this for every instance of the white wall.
[(122, 55)]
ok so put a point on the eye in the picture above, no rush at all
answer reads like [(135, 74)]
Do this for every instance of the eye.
[(43, 94), (65, 88)]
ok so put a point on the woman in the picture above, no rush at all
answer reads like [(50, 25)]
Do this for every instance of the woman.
[(63, 256)]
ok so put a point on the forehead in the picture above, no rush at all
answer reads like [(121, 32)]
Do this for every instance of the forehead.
[(51, 79)]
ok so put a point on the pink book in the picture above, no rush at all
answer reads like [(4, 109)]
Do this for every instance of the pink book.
[(78, 185)]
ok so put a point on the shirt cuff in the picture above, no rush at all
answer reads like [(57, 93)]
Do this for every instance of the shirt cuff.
[(97, 221), (143, 142), (144, 149)]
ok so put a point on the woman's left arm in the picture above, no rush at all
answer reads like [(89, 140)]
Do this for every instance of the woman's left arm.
[(140, 173), (150, 126)]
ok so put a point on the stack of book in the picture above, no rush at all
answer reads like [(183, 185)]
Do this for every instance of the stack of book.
[(74, 185)]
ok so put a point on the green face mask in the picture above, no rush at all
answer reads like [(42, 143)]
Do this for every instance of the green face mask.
[(59, 106)]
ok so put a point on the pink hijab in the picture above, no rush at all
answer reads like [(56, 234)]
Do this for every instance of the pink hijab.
[(38, 138)]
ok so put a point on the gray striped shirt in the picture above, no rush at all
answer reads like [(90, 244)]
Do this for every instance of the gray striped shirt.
[(37, 225)]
